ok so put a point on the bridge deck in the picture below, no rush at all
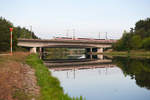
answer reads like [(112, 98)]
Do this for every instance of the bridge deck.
[(68, 41)]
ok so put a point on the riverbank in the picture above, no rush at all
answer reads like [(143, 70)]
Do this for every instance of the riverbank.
[(25, 77), (50, 88), (17, 79), (132, 53)]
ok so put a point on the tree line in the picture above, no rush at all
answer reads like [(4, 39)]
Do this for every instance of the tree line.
[(18, 32), (137, 38)]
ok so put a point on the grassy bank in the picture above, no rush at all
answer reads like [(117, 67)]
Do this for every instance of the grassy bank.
[(134, 53), (14, 84), (50, 88)]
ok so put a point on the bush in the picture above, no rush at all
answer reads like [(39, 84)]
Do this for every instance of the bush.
[(146, 43)]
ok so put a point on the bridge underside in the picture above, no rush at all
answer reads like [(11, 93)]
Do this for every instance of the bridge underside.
[(67, 46), (34, 44)]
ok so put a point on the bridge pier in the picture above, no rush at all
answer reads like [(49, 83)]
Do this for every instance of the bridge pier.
[(33, 50), (101, 57), (40, 52), (99, 50), (90, 50)]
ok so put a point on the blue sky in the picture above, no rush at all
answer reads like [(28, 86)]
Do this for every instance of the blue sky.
[(51, 18)]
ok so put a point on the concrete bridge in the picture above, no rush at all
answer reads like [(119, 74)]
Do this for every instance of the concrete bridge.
[(63, 68), (65, 64), (79, 62), (89, 45)]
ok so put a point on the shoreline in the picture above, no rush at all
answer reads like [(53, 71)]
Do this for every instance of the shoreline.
[(50, 88), (25, 77), (132, 53), (17, 81)]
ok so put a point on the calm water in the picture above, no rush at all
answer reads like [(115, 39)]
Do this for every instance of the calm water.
[(121, 79)]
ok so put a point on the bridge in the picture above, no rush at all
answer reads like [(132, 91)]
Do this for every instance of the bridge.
[(90, 45), (82, 67), (78, 64)]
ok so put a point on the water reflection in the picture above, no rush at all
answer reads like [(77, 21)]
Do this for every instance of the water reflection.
[(64, 53), (138, 69), (102, 79), (51, 56)]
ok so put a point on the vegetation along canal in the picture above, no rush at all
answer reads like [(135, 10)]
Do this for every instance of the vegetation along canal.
[(101, 78)]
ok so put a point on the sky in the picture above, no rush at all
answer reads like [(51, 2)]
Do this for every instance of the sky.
[(84, 18)]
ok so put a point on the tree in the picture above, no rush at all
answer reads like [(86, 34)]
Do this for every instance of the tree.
[(133, 39), (124, 43), (5, 35), (146, 43), (142, 28), (136, 42), (118, 45), (18, 32)]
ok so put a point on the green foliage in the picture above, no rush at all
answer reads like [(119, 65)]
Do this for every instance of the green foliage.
[(137, 69), (24, 33), (5, 35), (118, 45), (142, 28), (18, 32), (49, 86), (136, 38), (136, 42), (124, 43), (55, 53), (146, 43)]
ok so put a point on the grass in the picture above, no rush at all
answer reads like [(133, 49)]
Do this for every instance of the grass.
[(132, 53), (50, 88)]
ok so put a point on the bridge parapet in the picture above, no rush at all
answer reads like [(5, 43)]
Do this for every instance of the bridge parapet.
[(68, 41)]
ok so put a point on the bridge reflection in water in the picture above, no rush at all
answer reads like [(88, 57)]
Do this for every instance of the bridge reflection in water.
[(73, 65), (99, 79), (101, 69)]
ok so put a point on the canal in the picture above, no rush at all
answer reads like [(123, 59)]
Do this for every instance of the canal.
[(102, 78)]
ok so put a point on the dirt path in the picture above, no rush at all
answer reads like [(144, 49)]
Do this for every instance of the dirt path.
[(17, 80)]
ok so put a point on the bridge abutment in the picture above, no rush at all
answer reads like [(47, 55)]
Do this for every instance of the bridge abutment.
[(33, 50)]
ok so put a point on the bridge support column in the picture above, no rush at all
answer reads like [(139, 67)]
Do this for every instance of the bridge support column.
[(33, 50), (90, 50), (40, 52), (100, 50), (91, 56), (100, 57)]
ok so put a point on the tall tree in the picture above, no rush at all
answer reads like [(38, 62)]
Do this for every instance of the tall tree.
[(18, 32), (5, 35), (136, 42)]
